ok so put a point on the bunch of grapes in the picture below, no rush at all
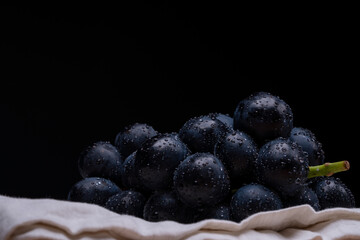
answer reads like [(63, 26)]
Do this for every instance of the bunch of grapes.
[(216, 166)]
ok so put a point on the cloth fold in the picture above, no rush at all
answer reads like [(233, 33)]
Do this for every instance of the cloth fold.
[(24, 218)]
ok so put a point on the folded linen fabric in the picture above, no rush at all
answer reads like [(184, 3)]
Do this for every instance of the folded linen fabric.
[(24, 218)]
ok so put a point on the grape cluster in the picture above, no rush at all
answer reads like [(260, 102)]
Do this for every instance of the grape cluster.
[(216, 166)]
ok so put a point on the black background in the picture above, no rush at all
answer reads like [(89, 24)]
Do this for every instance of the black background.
[(74, 75)]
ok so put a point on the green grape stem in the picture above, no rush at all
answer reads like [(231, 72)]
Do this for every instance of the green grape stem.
[(328, 169)]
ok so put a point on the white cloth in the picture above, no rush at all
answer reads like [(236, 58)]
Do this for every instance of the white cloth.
[(22, 218)]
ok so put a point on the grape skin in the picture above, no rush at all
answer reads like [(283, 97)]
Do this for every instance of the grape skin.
[(270, 176)]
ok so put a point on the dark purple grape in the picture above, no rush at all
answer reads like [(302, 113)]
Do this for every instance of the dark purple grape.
[(157, 159), (127, 202), (253, 198), (238, 152), (201, 180), (282, 165), (226, 119), (332, 192), (130, 176), (162, 206), (130, 138), (201, 133), (304, 196), (93, 190), (101, 159), (219, 211), (264, 117), (308, 142)]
